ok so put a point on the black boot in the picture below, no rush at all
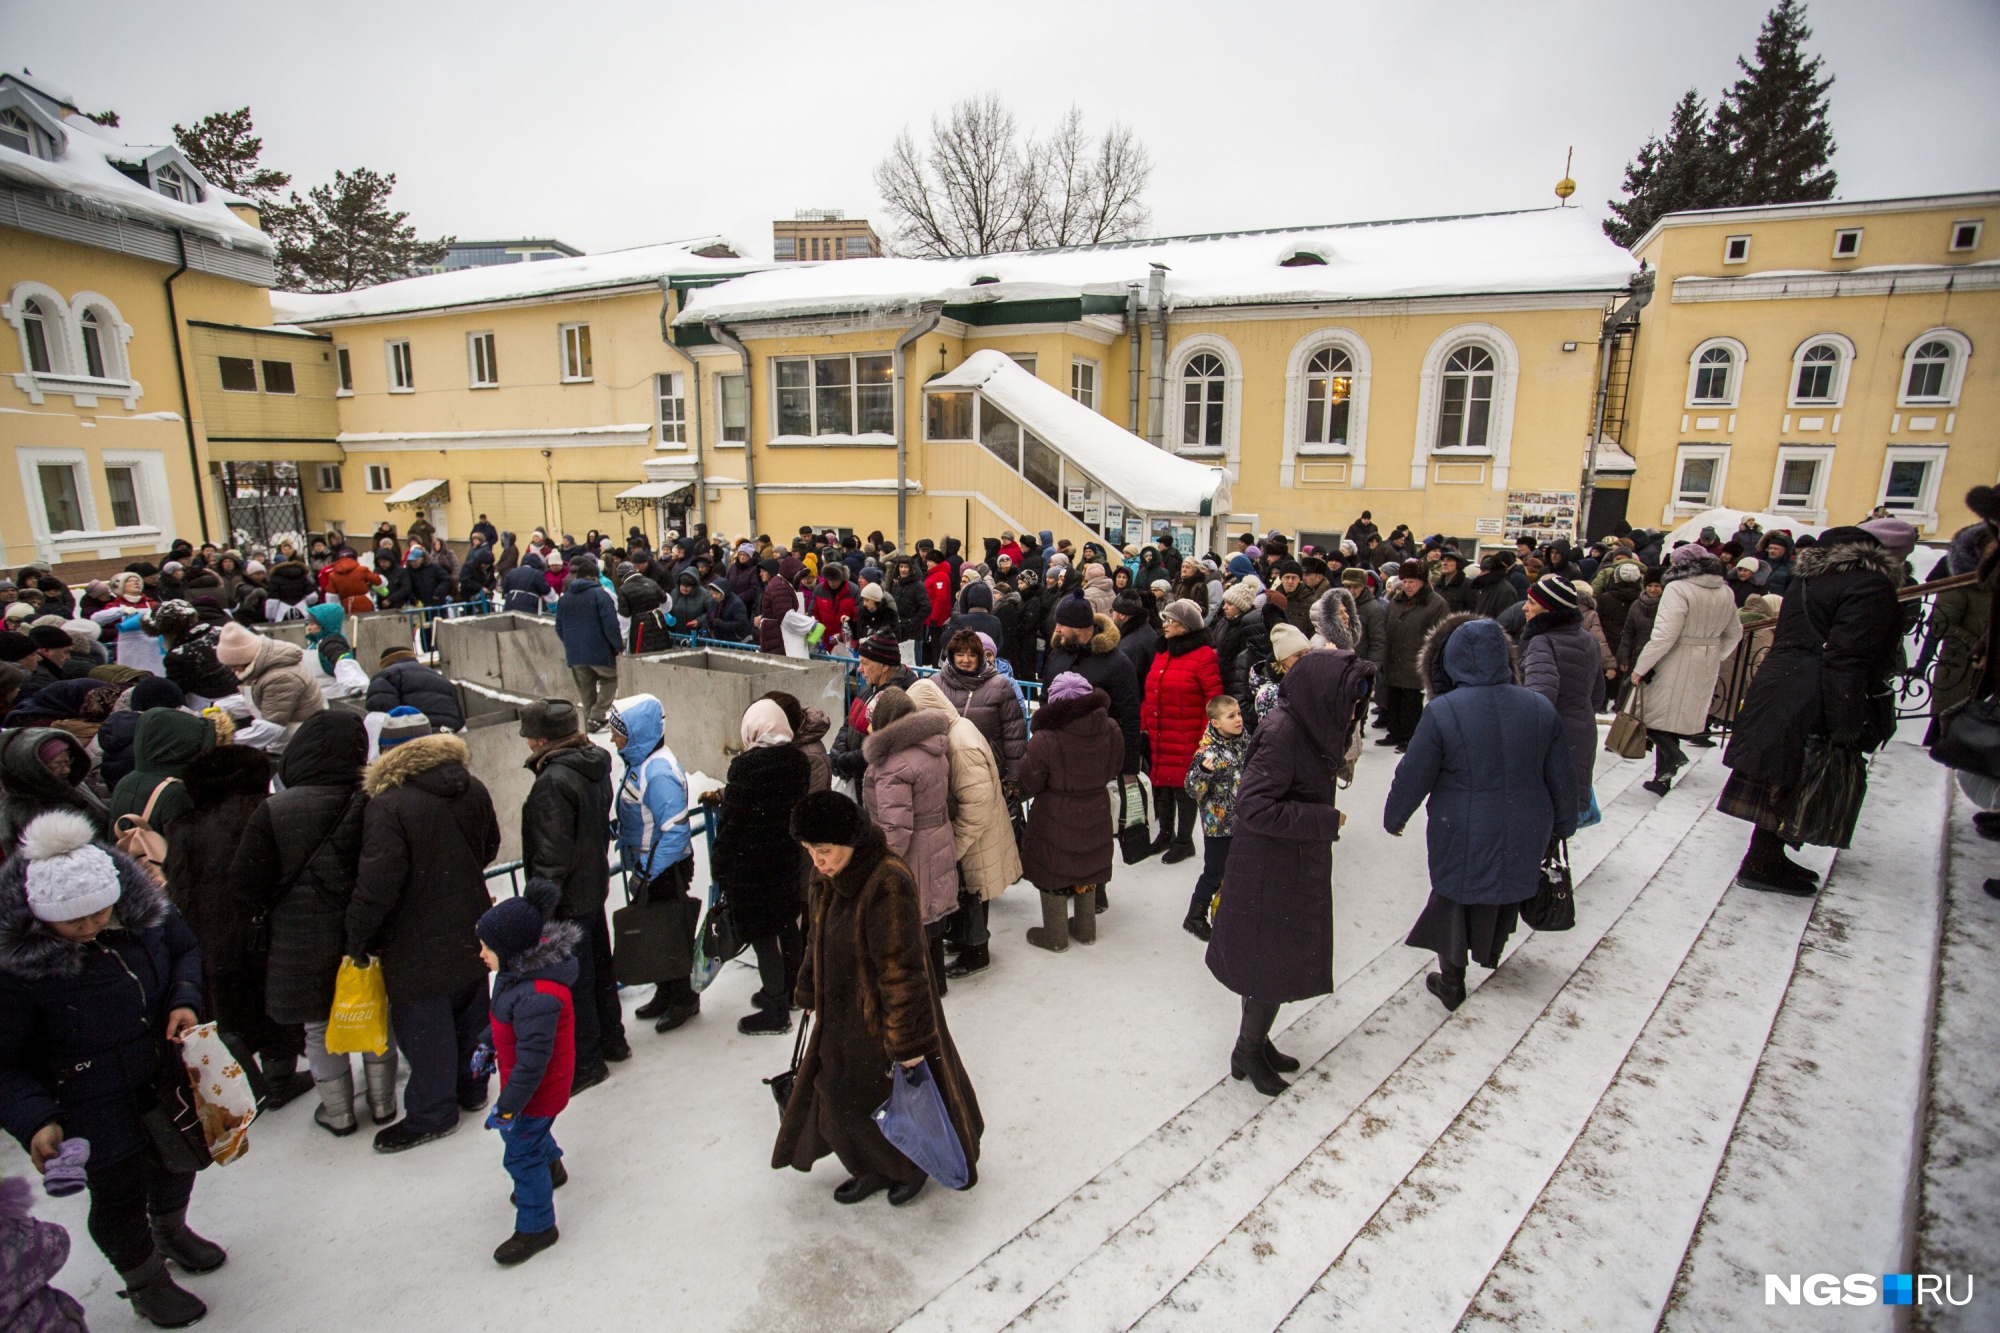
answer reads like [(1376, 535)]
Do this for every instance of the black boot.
[(1767, 869), (1103, 903), (905, 1190), (972, 958), (190, 1253), (282, 1080), (1281, 1062), (1448, 984), (156, 1298), (1253, 1064), (856, 1188), (524, 1245), (676, 1015), (769, 1021)]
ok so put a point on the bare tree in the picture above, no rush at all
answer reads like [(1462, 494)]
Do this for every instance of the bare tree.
[(979, 186)]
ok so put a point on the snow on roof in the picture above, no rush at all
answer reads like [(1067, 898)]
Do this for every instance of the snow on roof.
[(411, 491), (84, 172), (1146, 478), (1542, 250), (507, 282)]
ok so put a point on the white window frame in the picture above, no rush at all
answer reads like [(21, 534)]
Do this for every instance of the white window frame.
[(1085, 394), (1296, 374), (111, 494), (1499, 444), (1978, 226), (812, 399), (1230, 450), (113, 335), (1925, 514), (1841, 367), (52, 312), (323, 473), (402, 370), (78, 465), (1840, 234), (1719, 453), (37, 138), (673, 425), (175, 184), (149, 484), (1739, 358), (1954, 373), (1814, 510), (62, 334), (574, 358), (482, 346), (343, 371), (379, 479), (722, 426), (1732, 253)]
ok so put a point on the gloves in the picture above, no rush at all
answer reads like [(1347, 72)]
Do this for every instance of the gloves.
[(483, 1062), (849, 764), (130, 624), (495, 1120)]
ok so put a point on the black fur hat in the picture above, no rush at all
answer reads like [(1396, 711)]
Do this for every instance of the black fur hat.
[(1985, 502), (827, 817)]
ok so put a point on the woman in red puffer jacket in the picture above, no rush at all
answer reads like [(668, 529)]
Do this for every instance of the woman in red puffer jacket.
[(1174, 715)]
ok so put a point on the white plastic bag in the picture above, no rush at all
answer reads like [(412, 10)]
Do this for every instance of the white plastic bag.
[(222, 1094)]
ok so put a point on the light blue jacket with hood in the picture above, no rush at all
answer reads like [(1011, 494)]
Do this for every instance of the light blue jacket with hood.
[(654, 795)]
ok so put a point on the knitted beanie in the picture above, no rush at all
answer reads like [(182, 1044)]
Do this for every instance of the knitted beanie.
[(1074, 613), (69, 876), (1068, 685), (236, 646), (404, 723), (513, 926), (1185, 613), (1554, 592), (1687, 554), (882, 649), (1287, 641), (1240, 597)]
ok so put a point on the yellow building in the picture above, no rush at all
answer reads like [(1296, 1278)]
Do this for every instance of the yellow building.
[(127, 280), (535, 394), (1815, 361)]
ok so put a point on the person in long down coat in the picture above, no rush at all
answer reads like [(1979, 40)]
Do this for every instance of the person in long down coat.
[(907, 791), (777, 597), (1413, 612), (756, 864), (867, 985), (1075, 751), (1173, 711), (1694, 631), (1272, 941), (1493, 761), (981, 831), (1563, 663), (296, 864), (981, 692), (1826, 678)]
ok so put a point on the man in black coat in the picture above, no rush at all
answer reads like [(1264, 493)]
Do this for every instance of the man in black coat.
[(881, 667), (427, 836), (1088, 645), (400, 679), (638, 597), (566, 839)]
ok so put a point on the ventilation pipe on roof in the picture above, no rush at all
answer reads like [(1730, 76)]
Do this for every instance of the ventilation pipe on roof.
[(1132, 327), (694, 387), (720, 332), (1156, 314), (927, 321)]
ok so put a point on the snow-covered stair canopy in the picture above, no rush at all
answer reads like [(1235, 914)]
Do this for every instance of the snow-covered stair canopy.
[(1069, 452)]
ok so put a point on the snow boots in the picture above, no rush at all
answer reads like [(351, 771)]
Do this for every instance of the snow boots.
[(190, 1253), (1253, 1063), (773, 1016), (1083, 924), (524, 1245), (1767, 869), (1053, 933), (381, 1077), (156, 1297), (335, 1112)]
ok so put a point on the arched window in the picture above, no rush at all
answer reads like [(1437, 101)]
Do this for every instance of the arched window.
[(93, 345), (1712, 375), (1934, 368), (16, 133), (169, 181), (1818, 378), (1465, 407), (1928, 366), (1203, 380), (35, 328), (1329, 387)]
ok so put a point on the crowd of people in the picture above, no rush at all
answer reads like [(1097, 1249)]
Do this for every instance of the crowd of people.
[(201, 821)]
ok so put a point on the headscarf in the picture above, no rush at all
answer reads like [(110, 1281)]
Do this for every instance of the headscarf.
[(764, 725)]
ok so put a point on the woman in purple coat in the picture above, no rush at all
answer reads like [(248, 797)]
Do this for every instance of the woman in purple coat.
[(1273, 934)]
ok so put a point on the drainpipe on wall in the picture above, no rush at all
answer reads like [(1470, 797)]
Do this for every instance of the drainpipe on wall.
[(694, 373), (1132, 327), (720, 332), (187, 405), (1156, 313), (1624, 317), (926, 321)]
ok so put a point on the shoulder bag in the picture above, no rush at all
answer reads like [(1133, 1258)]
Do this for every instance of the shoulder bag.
[(1627, 737), (1554, 905)]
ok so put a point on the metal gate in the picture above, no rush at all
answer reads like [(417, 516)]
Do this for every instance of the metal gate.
[(266, 505)]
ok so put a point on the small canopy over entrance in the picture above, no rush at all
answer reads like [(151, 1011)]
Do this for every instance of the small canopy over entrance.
[(430, 491)]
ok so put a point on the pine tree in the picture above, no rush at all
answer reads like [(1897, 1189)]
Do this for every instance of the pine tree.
[(1774, 121), (1689, 169), (223, 149), (347, 237)]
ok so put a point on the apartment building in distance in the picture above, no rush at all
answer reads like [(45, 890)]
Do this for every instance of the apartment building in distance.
[(819, 234)]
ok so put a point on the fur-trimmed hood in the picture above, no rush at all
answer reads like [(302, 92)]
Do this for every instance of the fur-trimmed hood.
[(1104, 634), (1707, 564), (1839, 556), (32, 951), (557, 946), (405, 761), (1327, 623), (904, 732), (1430, 658)]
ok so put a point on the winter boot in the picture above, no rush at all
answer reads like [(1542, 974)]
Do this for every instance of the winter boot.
[(399, 1137), (1250, 1062), (1103, 900), (523, 1246), (1196, 921), (856, 1188), (156, 1298), (676, 1015), (1053, 933), (282, 1080), (381, 1076), (1448, 984), (1767, 869), (771, 1019), (1281, 1062), (656, 1007), (972, 958), (904, 1191), (1083, 925), (335, 1112), (190, 1253)]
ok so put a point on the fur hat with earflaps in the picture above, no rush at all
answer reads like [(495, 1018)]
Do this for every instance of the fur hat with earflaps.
[(827, 817)]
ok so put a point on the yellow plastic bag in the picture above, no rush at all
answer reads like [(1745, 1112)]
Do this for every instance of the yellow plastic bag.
[(360, 1017)]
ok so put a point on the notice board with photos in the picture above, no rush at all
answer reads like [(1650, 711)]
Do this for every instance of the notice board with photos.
[(1541, 516)]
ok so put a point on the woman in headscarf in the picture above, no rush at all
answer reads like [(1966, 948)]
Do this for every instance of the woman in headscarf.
[(691, 603), (757, 866), (43, 769)]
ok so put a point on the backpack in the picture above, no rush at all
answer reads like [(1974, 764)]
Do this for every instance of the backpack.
[(139, 840)]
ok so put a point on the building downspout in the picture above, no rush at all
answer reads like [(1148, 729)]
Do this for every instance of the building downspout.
[(926, 321), (187, 405), (1156, 314), (720, 332), (1132, 327), (694, 372), (1625, 316)]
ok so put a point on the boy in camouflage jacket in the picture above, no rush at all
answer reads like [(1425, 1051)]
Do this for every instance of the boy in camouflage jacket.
[(1211, 780)]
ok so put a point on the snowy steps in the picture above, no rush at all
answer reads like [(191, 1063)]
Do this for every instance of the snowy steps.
[(1542, 1157)]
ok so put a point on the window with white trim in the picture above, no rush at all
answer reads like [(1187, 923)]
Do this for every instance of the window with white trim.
[(834, 395), (1910, 482), (328, 476), (43, 340), (1846, 242), (1799, 484), (17, 133), (378, 478), (402, 372), (1965, 233), (121, 487), (1699, 474), (669, 386), (1083, 382), (1934, 368), (62, 497), (345, 365), (484, 359), (1465, 404), (1736, 250), (948, 415), (174, 183), (1329, 391), (92, 329), (1025, 360), (1715, 373), (1204, 393), (575, 353), (1819, 371), (732, 409)]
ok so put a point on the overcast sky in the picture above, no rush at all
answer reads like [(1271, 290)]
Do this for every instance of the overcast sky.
[(615, 124)]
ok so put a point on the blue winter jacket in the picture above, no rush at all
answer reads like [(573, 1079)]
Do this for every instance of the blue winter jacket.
[(536, 1018), (525, 584), (1491, 757), (587, 622), (654, 794)]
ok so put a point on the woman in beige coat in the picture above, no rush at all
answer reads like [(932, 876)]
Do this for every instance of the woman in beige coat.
[(1694, 632), (982, 831)]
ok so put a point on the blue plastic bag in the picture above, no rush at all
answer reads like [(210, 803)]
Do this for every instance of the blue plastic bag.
[(914, 1120)]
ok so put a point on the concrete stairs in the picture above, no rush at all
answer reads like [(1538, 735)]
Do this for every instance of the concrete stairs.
[(1624, 1127)]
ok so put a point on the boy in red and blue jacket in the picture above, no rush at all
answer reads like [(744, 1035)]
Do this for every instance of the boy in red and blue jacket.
[(533, 1042)]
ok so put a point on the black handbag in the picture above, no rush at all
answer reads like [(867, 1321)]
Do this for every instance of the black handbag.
[(173, 1122), (1554, 905), (781, 1084), (720, 939), (653, 942), (1969, 738), (1135, 818)]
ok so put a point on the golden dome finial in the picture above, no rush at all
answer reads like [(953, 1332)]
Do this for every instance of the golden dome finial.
[(1566, 187)]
